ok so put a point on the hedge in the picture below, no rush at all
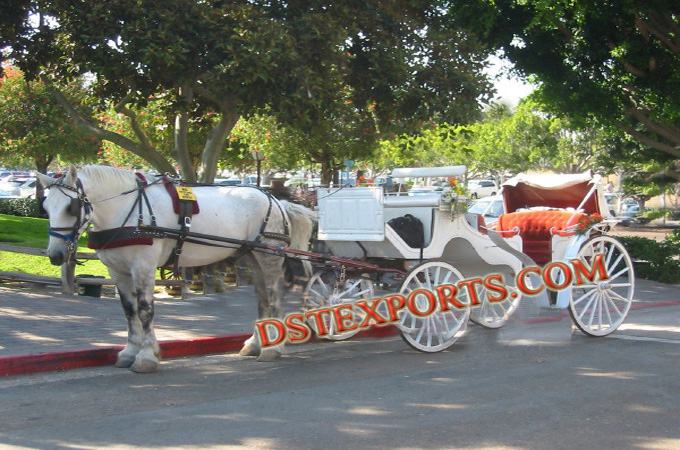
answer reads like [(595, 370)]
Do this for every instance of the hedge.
[(24, 207), (658, 261)]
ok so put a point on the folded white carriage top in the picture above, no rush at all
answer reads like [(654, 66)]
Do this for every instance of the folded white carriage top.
[(553, 180), (415, 172)]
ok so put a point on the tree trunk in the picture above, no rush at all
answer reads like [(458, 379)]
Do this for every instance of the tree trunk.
[(181, 150), (327, 171), (148, 153), (41, 165), (215, 142)]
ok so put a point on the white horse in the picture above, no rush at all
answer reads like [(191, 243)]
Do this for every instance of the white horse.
[(111, 199)]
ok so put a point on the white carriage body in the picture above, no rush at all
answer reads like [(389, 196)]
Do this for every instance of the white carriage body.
[(353, 224), (540, 224)]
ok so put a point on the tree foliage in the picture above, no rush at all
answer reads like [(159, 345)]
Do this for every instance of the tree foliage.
[(34, 129), (504, 143), (330, 70), (616, 61)]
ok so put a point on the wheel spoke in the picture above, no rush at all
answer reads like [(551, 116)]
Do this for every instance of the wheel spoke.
[(583, 297), (613, 304), (599, 313), (619, 297), (610, 268), (622, 271), (605, 299), (593, 311), (587, 306)]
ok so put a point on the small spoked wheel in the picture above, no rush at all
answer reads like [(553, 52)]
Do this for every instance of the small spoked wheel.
[(598, 308), (439, 330), (325, 290), (494, 314)]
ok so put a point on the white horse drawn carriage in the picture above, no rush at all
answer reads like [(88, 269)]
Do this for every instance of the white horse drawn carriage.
[(139, 226), (550, 218)]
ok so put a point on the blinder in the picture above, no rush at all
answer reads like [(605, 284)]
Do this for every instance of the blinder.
[(75, 206)]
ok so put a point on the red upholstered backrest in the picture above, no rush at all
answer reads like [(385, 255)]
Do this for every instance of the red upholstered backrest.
[(536, 225), (535, 230)]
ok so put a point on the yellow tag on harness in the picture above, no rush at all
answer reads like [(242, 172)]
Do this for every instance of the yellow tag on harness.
[(185, 193)]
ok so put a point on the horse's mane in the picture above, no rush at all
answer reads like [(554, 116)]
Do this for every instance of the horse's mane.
[(111, 179)]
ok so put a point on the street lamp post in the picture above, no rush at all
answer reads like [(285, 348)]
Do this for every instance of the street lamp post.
[(257, 156)]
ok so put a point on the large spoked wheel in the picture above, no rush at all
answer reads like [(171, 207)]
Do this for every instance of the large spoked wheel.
[(439, 330), (599, 308), (323, 290), (494, 314)]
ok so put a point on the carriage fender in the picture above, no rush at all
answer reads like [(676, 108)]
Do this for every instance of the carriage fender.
[(541, 298), (574, 246)]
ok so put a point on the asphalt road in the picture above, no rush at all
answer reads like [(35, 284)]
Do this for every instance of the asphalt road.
[(540, 386)]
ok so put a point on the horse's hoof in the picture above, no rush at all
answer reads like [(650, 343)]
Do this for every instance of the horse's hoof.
[(250, 350), (144, 366), (124, 362), (268, 355)]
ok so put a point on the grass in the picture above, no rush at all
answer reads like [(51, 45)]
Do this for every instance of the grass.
[(32, 232)]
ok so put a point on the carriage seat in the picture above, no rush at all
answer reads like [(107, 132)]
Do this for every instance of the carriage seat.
[(419, 206), (535, 229)]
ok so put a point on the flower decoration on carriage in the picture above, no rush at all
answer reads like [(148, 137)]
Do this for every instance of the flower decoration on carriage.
[(587, 222), (457, 188)]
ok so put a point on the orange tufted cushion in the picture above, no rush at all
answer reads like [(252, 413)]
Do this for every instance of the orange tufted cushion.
[(535, 229)]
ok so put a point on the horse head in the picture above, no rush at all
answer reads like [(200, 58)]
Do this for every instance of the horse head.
[(68, 210)]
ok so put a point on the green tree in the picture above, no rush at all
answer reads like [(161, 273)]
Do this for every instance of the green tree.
[(406, 59), (34, 129), (617, 62)]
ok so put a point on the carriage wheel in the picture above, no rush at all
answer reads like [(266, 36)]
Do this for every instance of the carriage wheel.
[(323, 290), (168, 274), (599, 308), (439, 330), (494, 314)]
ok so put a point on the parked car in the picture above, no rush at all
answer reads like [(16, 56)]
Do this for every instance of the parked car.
[(298, 182), (419, 190), (229, 182), (7, 174), (482, 188), (12, 187), (628, 203), (493, 213), (27, 190), (633, 214)]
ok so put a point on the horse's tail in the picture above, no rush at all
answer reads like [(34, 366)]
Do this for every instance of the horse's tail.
[(302, 222)]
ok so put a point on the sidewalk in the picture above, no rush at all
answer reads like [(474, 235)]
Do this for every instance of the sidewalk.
[(77, 331)]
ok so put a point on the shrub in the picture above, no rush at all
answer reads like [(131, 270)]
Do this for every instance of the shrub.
[(24, 207), (655, 260)]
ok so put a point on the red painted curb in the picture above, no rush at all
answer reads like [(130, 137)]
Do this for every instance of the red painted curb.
[(202, 346), (91, 357), (62, 360), (655, 304)]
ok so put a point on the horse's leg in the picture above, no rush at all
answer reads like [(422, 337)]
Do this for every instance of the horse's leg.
[(128, 300), (148, 358), (268, 270)]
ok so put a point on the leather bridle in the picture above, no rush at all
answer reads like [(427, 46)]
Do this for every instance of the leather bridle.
[(79, 207)]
